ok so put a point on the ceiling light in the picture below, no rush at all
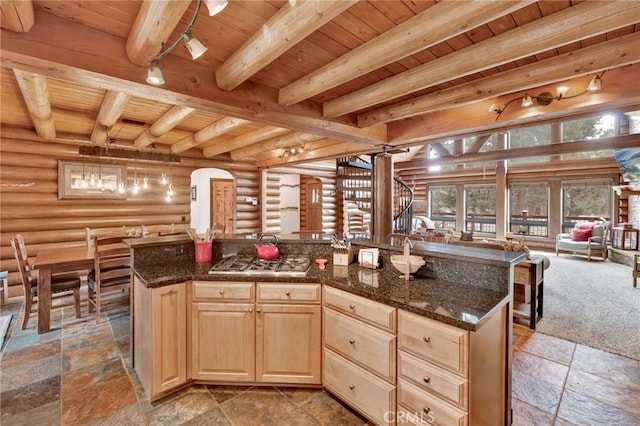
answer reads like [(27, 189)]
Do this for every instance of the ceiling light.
[(562, 91), (546, 98), (595, 84), (215, 6), (154, 75), (194, 46)]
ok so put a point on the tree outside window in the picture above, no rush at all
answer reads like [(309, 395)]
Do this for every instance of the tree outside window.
[(480, 208), (586, 200), (528, 137), (585, 129), (529, 209), (443, 206)]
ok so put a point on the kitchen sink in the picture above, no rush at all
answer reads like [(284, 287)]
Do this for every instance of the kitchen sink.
[(285, 265)]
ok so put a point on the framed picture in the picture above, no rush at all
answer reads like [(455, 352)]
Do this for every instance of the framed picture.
[(194, 193), (77, 180)]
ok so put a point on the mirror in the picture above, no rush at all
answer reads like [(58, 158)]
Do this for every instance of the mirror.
[(91, 180)]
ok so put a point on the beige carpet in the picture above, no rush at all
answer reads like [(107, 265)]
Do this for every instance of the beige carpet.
[(592, 303)]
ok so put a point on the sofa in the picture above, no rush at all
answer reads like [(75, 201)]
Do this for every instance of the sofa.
[(586, 238)]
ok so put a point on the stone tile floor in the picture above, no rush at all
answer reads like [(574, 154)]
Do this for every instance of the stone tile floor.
[(79, 374)]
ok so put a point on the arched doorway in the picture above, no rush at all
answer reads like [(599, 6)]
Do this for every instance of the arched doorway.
[(204, 184)]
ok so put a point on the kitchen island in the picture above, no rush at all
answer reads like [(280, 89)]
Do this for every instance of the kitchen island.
[(366, 335)]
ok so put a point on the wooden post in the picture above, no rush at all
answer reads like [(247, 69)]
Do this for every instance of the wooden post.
[(382, 195), (501, 191)]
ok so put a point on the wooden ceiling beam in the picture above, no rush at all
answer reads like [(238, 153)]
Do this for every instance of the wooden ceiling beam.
[(111, 109), (436, 24), (96, 59), (286, 141), (440, 149), (16, 15), (477, 145), (569, 25), (213, 130), (155, 22), (596, 58), (290, 25), (614, 142), (162, 125), (36, 96), (267, 132), (620, 90)]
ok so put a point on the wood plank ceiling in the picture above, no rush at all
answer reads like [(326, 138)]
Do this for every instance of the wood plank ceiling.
[(336, 77)]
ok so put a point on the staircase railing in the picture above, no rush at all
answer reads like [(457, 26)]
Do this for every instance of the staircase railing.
[(402, 207), (402, 193)]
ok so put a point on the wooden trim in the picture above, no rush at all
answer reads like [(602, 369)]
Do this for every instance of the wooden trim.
[(16, 15)]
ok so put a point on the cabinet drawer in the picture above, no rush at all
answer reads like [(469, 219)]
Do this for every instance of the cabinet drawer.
[(428, 407), (368, 394), (428, 339), (434, 379), (288, 292), (222, 291), (364, 344), (375, 313)]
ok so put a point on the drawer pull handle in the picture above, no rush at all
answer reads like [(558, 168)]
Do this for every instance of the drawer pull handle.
[(258, 310), (352, 341), (352, 387), (288, 293), (250, 310), (352, 307), (426, 410), (221, 292), (427, 339), (426, 379)]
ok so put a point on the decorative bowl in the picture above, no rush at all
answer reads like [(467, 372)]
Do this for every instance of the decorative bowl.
[(399, 261)]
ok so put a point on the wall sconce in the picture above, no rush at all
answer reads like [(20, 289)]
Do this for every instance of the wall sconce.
[(546, 98), (193, 45), (292, 151)]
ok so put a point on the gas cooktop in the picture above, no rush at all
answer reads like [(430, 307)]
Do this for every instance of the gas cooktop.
[(285, 265)]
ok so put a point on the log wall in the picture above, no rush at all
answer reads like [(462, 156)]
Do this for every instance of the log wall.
[(29, 201)]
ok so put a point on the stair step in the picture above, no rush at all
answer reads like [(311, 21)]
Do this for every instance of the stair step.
[(354, 177), (362, 199), (355, 165)]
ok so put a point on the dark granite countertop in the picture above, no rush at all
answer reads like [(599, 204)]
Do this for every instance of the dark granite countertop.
[(460, 305)]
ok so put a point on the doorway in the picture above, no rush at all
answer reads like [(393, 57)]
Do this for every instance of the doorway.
[(310, 204), (222, 205)]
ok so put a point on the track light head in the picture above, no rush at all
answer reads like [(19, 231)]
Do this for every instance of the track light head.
[(215, 6), (595, 84), (154, 75), (527, 101), (194, 46)]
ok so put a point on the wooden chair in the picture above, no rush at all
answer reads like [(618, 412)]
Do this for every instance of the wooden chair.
[(62, 285), (112, 270)]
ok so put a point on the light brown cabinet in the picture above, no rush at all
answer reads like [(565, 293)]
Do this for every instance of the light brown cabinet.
[(360, 353), (160, 343), (264, 332), (449, 376)]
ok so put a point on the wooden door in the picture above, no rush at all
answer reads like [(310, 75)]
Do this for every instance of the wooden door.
[(222, 205), (223, 342), (288, 343), (311, 205)]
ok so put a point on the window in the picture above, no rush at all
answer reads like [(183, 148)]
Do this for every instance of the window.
[(490, 144), (529, 209), (480, 208), (528, 137), (442, 206), (585, 200), (588, 128)]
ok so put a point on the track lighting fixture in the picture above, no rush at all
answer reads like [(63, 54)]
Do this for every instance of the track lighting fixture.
[(295, 150), (215, 6), (193, 45), (546, 98)]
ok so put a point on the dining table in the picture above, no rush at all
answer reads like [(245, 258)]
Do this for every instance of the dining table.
[(48, 262)]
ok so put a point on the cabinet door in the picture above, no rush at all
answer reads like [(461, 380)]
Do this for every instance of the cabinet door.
[(223, 341), (169, 336), (288, 343)]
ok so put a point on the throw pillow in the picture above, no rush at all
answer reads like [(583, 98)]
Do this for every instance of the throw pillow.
[(582, 231)]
